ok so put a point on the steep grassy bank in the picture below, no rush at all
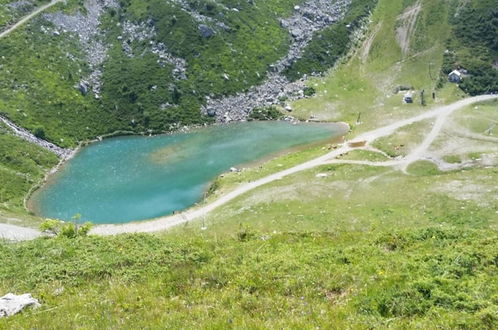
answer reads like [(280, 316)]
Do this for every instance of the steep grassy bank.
[(22, 165), (39, 72), (428, 277)]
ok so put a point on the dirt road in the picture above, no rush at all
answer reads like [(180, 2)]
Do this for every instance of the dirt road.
[(27, 18)]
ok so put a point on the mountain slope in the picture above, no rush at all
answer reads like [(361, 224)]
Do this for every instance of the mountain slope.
[(92, 69), (338, 246)]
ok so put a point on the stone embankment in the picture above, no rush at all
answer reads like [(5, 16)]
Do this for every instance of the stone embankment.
[(26, 135), (312, 16)]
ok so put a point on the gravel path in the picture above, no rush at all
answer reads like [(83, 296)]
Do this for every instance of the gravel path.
[(27, 18), (16, 233)]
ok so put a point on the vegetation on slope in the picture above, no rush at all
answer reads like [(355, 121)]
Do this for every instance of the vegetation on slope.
[(474, 46), (22, 165), (12, 11), (225, 62), (427, 277), (38, 74), (38, 85), (329, 45)]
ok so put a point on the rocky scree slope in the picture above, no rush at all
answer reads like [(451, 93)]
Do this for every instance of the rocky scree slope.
[(103, 66)]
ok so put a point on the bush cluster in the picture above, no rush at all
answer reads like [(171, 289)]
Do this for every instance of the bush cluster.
[(266, 113), (474, 46)]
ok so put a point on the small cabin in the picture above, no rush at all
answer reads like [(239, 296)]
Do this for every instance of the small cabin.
[(455, 76)]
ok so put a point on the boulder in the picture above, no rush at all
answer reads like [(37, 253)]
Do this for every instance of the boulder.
[(11, 304), (211, 112), (206, 31), (83, 87)]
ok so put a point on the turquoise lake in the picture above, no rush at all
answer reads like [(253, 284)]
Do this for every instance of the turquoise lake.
[(135, 178)]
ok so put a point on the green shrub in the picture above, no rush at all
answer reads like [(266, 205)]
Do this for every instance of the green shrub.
[(489, 317), (266, 113), (309, 91), (39, 132), (65, 229)]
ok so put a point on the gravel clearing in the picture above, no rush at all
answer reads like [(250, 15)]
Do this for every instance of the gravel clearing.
[(16, 233)]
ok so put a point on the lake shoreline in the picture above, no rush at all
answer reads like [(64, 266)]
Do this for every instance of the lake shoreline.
[(30, 204)]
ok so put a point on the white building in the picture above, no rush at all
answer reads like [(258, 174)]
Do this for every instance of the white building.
[(455, 76)]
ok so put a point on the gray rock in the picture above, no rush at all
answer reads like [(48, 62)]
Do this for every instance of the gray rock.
[(206, 31), (11, 304), (211, 112), (19, 4), (87, 29), (309, 17), (28, 136), (83, 87)]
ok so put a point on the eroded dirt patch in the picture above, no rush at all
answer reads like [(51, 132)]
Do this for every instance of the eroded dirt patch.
[(481, 190), (406, 26)]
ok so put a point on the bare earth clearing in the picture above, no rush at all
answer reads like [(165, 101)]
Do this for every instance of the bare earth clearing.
[(405, 31)]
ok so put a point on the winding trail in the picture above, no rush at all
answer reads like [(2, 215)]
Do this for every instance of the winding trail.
[(27, 18), (166, 222)]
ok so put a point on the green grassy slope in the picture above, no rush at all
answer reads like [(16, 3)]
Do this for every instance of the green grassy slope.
[(426, 277), (11, 11), (242, 53), (37, 86), (22, 165), (367, 82)]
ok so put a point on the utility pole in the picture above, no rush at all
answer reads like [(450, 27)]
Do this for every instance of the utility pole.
[(359, 118), (430, 71)]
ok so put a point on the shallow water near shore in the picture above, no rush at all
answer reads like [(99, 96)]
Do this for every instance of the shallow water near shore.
[(135, 178)]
